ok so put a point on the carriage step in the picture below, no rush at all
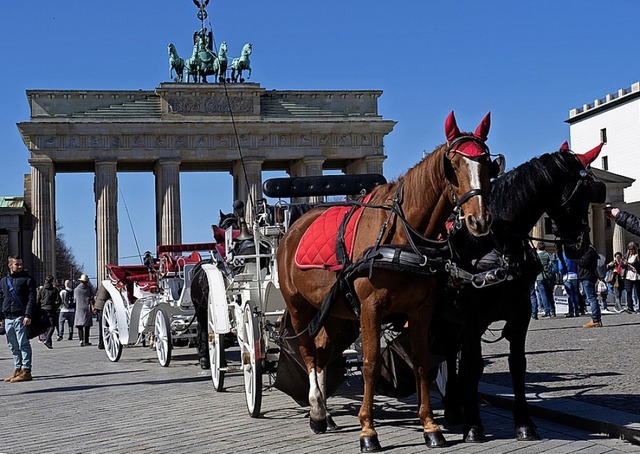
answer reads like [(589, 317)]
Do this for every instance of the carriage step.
[(234, 368)]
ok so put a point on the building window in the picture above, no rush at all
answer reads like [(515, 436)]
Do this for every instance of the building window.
[(605, 163), (603, 135)]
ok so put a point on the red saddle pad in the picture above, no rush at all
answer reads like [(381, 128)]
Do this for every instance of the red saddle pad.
[(317, 247)]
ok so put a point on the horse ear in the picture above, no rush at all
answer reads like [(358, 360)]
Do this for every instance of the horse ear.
[(564, 146), (482, 131), (451, 130), (589, 156)]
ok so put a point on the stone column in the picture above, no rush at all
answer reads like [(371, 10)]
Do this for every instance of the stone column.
[(597, 229), (307, 167), (369, 164), (14, 241), (169, 216), (247, 184), (105, 189), (619, 243), (43, 210), (538, 229)]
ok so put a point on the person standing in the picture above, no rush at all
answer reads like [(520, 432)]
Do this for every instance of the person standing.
[(630, 223), (587, 276), (67, 310), (17, 304), (614, 279), (543, 282), (569, 269), (83, 296), (631, 275), (49, 300), (102, 295)]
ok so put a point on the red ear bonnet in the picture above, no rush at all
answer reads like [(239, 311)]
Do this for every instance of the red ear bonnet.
[(468, 148), (589, 156), (564, 146)]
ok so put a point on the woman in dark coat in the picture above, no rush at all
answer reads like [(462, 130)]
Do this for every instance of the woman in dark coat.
[(83, 296)]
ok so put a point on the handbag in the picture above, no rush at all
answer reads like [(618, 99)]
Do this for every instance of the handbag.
[(40, 322), (601, 287)]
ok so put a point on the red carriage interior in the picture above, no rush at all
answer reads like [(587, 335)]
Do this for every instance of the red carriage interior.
[(170, 259)]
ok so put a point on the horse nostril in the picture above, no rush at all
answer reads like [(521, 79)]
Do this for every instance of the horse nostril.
[(472, 222)]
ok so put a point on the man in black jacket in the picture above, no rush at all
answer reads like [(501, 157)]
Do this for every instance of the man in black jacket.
[(17, 301)]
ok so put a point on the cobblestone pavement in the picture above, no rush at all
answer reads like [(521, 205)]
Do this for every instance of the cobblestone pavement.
[(565, 362), (79, 402)]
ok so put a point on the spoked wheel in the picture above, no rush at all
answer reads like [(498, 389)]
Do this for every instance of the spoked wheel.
[(216, 354), (110, 334), (162, 336), (251, 360)]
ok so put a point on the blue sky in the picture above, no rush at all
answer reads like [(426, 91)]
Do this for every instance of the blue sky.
[(528, 63)]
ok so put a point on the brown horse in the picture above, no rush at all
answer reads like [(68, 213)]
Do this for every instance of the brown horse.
[(403, 215)]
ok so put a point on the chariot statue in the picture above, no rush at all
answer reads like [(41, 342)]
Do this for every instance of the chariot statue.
[(204, 61)]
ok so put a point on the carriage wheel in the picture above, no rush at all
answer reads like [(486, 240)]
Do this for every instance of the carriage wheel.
[(216, 354), (110, 334), (251, 361), (162, 336)]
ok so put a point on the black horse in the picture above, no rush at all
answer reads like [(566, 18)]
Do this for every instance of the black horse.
[(559, 184)]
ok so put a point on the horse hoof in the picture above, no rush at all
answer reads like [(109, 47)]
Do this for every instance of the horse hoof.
[(319, 426), (475, 434), (526, 433), (434, 439), (370, 444), (331, 424)]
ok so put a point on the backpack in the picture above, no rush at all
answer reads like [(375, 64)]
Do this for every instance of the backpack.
[(68, 301), (601, 267)]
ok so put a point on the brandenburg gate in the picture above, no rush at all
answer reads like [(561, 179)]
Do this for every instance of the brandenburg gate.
[(180, 127)]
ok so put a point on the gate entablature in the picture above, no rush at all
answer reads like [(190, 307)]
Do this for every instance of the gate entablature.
[(188, 127)]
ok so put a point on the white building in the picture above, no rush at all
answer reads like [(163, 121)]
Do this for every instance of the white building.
[(614, 120)]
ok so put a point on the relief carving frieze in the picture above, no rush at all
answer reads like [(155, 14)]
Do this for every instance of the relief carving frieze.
[(138, 142), (209, 105), (95, 142), (201, 142), (51, 142), (73, 142), (181, 142)]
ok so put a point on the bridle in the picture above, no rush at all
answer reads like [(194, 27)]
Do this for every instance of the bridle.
[(452, 148)]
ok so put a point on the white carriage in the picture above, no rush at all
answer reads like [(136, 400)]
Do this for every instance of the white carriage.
[(244, 296), (247, 303), (151, 302)]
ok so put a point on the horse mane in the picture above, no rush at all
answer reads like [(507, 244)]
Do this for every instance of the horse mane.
[(528, 185)]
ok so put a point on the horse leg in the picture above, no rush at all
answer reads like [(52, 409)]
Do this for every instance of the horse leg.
[(370, 332), (524, 426), (471, 367), (419, 337), (317, 386), (453, 413), (324, 354)]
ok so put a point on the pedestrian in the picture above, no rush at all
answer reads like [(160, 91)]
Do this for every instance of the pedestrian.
[(17, 304), (102, 295), (631, 276), (67, 310), (49, 300), (534, 301), (83, 296), (631, 264), (544, 284), (615, 281), (569, 269), (587, 276)]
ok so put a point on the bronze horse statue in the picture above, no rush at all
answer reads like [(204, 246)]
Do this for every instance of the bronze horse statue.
[(397, 219), (241, 63), (175, 63), (559, 184)]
